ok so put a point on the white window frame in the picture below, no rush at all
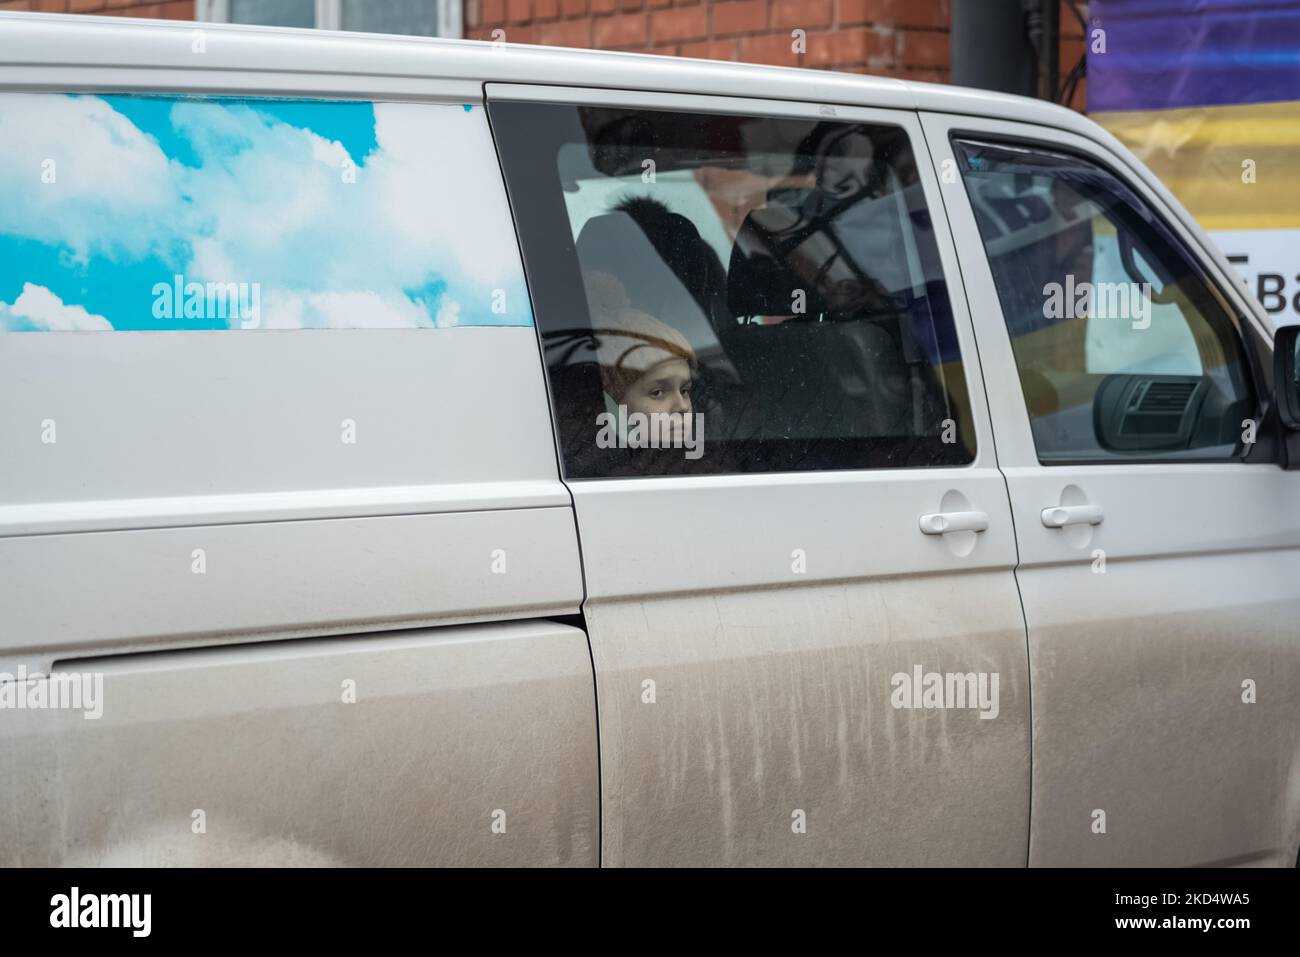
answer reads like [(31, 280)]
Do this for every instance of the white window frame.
[(329, 15)]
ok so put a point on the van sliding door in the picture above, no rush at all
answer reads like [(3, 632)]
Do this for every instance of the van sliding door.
[(800, 597)]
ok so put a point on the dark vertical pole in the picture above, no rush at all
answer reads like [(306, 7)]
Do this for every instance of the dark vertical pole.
[(1048, 45), (1010, 46)]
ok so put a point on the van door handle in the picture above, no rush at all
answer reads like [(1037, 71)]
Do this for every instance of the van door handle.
[(1059, 516), (936, 523)]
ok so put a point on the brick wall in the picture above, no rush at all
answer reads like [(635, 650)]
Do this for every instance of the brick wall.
[(902, 38), (907, 38), (166, 10)]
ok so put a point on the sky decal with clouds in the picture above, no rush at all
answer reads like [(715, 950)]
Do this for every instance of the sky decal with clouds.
[(337, 214)]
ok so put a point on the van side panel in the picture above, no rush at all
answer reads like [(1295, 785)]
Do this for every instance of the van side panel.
[(450, 746)]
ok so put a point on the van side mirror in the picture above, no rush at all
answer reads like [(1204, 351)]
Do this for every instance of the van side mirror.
[(1286, 376)]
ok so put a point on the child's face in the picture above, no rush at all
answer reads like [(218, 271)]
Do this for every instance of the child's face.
[(665, 388)]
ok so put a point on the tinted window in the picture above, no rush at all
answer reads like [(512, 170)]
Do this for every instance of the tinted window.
[(1124, 349), (415, 17), (279, 13), (769, 287)]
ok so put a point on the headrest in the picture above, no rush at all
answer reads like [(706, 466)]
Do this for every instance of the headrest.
[(615, 244)]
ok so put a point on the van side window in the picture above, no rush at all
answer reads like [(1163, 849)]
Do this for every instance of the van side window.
[(1124, 349), (723, 294), (221, 213)]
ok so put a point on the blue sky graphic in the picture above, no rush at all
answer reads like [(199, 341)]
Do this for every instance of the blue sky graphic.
[(206, 142)]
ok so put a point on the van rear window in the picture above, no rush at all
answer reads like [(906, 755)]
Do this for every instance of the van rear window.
[(725, 294), (220, 213)]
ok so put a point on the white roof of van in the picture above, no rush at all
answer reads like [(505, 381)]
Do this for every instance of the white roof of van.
[(57, 50)]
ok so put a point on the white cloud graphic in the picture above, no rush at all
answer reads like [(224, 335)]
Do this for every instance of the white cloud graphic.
[(270, 205), (347, 310), (39, 309), (448, 315), (103, 172)]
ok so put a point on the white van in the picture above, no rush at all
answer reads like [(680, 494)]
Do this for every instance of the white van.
[(425, 452)]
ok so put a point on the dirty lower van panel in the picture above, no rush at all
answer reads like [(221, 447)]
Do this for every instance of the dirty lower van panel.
[(472, 745), (770, 741)]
